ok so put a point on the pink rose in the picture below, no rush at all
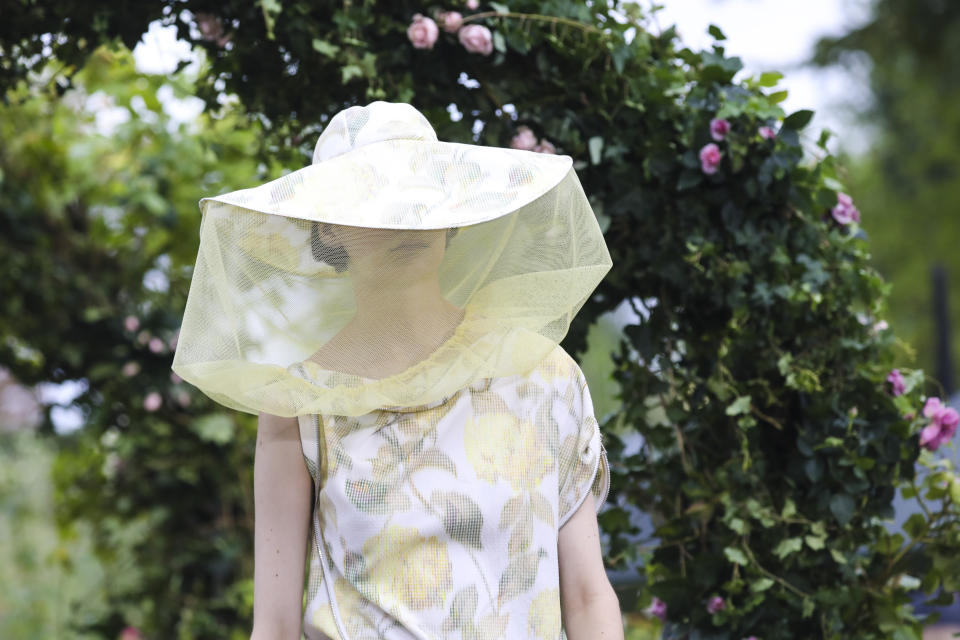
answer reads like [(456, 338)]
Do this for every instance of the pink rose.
[(932, 407), (153, 401), (710, 158), (545, 146), (719, 128), (715, 604), (156, 345), (476, 38), (768, 133), (845, 212), (422, 32), (524, 139), (658, 608), (880, 326), (943, 424), (897, 386), (130, 369), (473, 5), (131, 633), (131, 323), (450, 21)]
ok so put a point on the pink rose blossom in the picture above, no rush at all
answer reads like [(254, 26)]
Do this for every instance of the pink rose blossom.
[(943, 424), (910, 415), (880, 326), (156, 345), (844, 212), (473, 5), (422, 32), (130, 369), (751, 638), (897, 385), (768, 133), (131, 323), (476, 38), (153, 401), (719, 128), (658, 608), (710, 156), (932, 407), (524, 139), (545, 146), (450, 21), (715, 604), (131, 633)]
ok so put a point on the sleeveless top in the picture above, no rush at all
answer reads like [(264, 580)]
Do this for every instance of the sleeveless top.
[(441, 520)]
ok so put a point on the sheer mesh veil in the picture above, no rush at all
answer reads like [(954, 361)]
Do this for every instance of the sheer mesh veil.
[(391, 272)]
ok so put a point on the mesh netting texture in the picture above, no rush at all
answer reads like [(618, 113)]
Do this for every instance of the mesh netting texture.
[(394, 271)]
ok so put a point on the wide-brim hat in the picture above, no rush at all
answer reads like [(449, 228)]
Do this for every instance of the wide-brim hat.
[(270, 291)]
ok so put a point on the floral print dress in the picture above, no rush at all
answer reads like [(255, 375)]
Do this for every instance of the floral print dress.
[(441, 521)]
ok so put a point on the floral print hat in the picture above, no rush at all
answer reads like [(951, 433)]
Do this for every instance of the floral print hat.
[(292, 305)]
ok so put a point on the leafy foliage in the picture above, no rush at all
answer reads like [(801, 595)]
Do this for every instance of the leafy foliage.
[(909, 179), (773, 447)]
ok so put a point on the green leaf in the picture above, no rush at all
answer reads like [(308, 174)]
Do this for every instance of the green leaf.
[(778, 96), (798, 119), (270, 8), (814, 542), (499, 8), (738, 406), (715, 31), (842, 506), (788, 546), (736, 556), (838, 557), (325, 48), (915, 525), (499, 43), (761, 584), (769, 78)]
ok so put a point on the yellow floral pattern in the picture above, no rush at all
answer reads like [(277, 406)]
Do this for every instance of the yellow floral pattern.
[(441, 520)]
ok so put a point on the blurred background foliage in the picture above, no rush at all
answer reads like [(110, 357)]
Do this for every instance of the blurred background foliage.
[(99, 236), (909, 180)]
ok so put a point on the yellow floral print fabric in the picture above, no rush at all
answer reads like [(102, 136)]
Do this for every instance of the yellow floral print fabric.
[(441, 520)]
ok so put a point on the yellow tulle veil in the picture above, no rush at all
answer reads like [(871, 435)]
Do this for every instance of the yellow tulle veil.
[(482, 255)]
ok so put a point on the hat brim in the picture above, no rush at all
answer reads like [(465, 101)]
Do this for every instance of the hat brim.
[(407, 184)]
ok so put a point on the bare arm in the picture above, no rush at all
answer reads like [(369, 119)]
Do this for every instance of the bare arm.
[(282, 489), (588, 602)]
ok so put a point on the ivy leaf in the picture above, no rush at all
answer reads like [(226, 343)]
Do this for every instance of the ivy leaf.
[(769, 78), (715, 31), (788, 546), (736, 556), (324, 47), (842, 506), (738, 406), (798, 119)]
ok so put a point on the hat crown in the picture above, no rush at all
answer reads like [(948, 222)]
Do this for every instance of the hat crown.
[(357, 126)]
